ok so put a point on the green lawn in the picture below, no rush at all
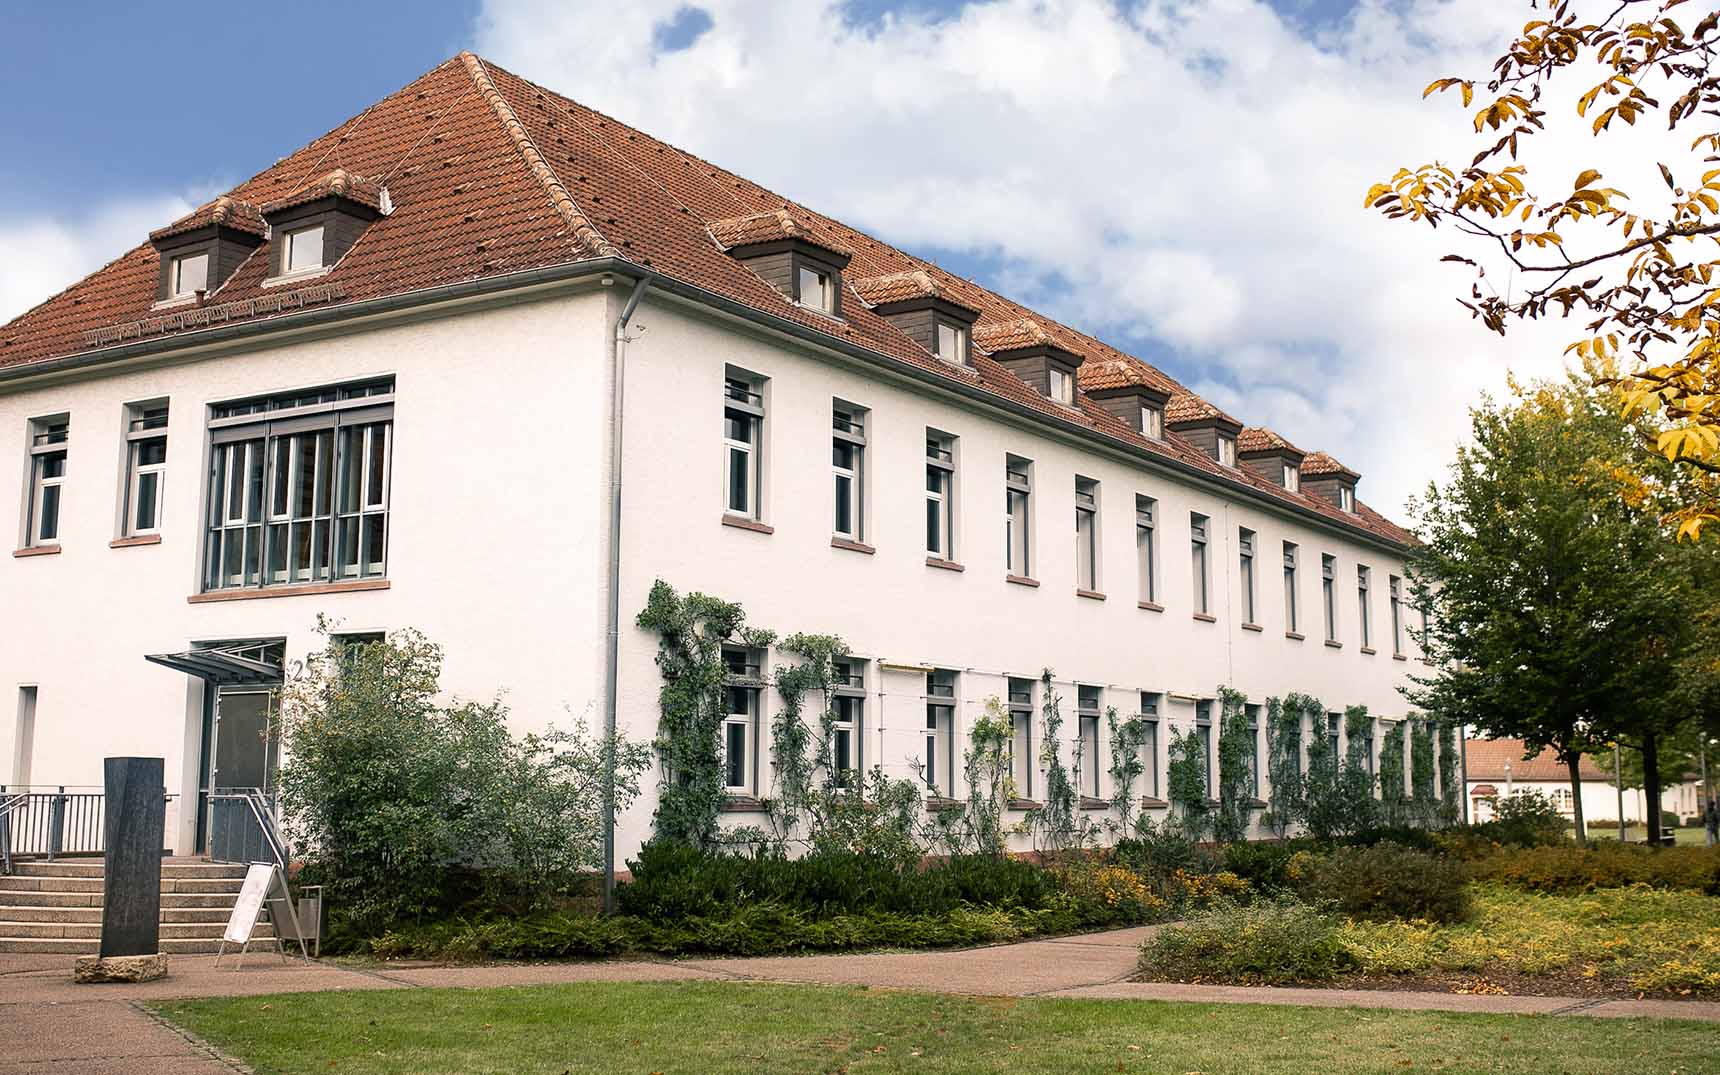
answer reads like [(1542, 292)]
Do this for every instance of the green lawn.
[(1683, 837), (711, 1028)]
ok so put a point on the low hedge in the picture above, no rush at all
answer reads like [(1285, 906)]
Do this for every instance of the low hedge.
[(1387, 881), (1269, 942), (1570, 869)]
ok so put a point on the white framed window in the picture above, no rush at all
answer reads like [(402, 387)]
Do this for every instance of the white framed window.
[(741, 719), (1346, 498), (940, 758), (188, 274), (1018, 521), (848, 709), (1150, 745), (1226, 450), (145, 468), (814, 287), (1394, 586), (940, 495), (1245, 554), (1062, 385), (1252, 713), (299, 487), (1364, 615), (950, 342), (1291, 609), (1088, 699), (1292, 477), (1203, 732), (303, 251), (1152, 422), (1335, 736), (1146, 548), (848, 467), (1087, 534), (1329, 595), (743, 444), (50, 439), (1021, 763), (1198, 559)]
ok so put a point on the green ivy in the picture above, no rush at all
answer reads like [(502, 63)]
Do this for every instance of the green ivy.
[(1394, 800), (977, 827), (1127, 738), (799, 752), (1186, 780), (1235, 776), (1058, 824), (1450, 787), (1284, 763)]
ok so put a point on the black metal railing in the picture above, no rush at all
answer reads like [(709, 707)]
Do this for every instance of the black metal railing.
[(44, 822), (242, 827)]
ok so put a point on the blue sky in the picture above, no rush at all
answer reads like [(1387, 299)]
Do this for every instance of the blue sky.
[(1119, 165)]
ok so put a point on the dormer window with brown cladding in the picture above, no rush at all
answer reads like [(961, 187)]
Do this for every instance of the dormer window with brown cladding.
[(1129, 391), (1027, 350), (1205, 426), (1325, 478), (312, 227), (786, 254), (200, 251), (925, 309), (1270, 456)]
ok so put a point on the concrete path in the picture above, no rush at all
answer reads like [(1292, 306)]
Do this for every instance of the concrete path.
[(53, 1026)]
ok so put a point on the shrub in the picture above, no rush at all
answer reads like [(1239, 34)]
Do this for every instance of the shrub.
[(1107, 895), (1387, 881), (1157, 853), (1526, 818), (1270, 942), (1263, 865), (1571, 869)]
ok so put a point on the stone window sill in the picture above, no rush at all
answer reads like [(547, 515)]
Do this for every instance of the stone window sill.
[(1334, 643), (1399, 657), (1149, 606), (1021, 580), (134, 541), (1369, 650), (852, 546), (1024, 804), (740, 804), (309, 589), (740, 523), (37, 550), (1206, 617), (1091, 595), (944, 565), (1293, 636), (1088, 802), (1148, 802), (1252, 627), (939, 805)]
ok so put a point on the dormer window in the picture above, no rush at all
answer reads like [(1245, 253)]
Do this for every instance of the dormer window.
[(303, 251), (951, 342), (1062, 386), (1292, 477), (802, 264), (1346, 498), (189, 275), (1152, 422), (813, 288), (1226, 450)]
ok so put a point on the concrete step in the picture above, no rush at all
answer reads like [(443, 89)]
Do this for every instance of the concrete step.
[(94, 914), (94, 899), (13, 931), (79, 946), (93, 868), (226, 885)]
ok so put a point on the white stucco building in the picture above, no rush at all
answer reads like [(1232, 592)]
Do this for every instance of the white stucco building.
[(378, 382), (1496, 768)]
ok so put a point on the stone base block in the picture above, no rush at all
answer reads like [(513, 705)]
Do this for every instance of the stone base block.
[(120, 968)]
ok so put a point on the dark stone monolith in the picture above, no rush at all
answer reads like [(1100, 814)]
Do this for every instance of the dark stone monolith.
[(136, 808)]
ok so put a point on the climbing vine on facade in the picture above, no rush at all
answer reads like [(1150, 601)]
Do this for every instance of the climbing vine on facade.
[(1185, 778), (1058, 824), (1127, 738), (1284, 763), (1236, 758), (976, 825)]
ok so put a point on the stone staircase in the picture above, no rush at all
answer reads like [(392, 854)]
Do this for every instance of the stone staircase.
[(56, 907)]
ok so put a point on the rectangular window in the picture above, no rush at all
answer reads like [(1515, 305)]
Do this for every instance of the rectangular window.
[(145, 468), (304, 250), (1152, 422), (1150, 745), (1245, 545), (1021, 737), (740, 719), (1292, 477), (1346, 498), (49, 440), (940, 495), (1329, 595), (1203, 731), (1197, 547), (1364, 617), (1017, 523), (190, 275), (1146, 549), (1087, 534), (940, 759), (1290, 608), (951, 342), (848, 704), (1226, 450), (1087, 704), (1334, 736), (1062, 385), (1253, 714), (298, 487), (813, 286), (743, 442), (1394, 586), (848, 465)]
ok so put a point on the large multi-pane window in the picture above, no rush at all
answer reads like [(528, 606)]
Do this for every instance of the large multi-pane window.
[(49, 440), (1197, 551), (1245, 547), (940, 495), (1150, 742), (743, 444), (1087, 534), (848, 465), (848, 708), (1329, 595), (1146, 548), (1203, 732), (1087, 698), (940, 761), (1291, 610), (1017, 523), (1395, 586), (298, 487), (1364, 615), (1021, 736), (740, 719), (145, 468)]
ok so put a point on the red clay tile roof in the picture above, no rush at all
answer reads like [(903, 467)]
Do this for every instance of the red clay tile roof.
[(1319, 464), (491, 175), (338, 183), (1187, 407), (1124, 373), (900, 287), (1017, 335), (1485, 759), (226, 211), (770, 227), (1261, 439)]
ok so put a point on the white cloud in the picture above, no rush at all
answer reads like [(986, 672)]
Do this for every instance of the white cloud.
[(65, 251)]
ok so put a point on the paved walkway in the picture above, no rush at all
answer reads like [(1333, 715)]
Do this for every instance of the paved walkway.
[(53, 1026)]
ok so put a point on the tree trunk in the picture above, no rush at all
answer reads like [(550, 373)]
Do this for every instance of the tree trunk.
[(1651, 784), (1573, 762)]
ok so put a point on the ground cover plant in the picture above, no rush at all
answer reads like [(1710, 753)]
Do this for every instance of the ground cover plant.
[(760, 1029)]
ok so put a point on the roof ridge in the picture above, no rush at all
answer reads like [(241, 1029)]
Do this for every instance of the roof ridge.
[(584, 231)]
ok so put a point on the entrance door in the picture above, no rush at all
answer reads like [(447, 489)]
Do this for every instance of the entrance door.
[(247, 750)]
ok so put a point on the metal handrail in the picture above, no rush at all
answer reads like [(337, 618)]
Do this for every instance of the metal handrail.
[(8, 807)]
